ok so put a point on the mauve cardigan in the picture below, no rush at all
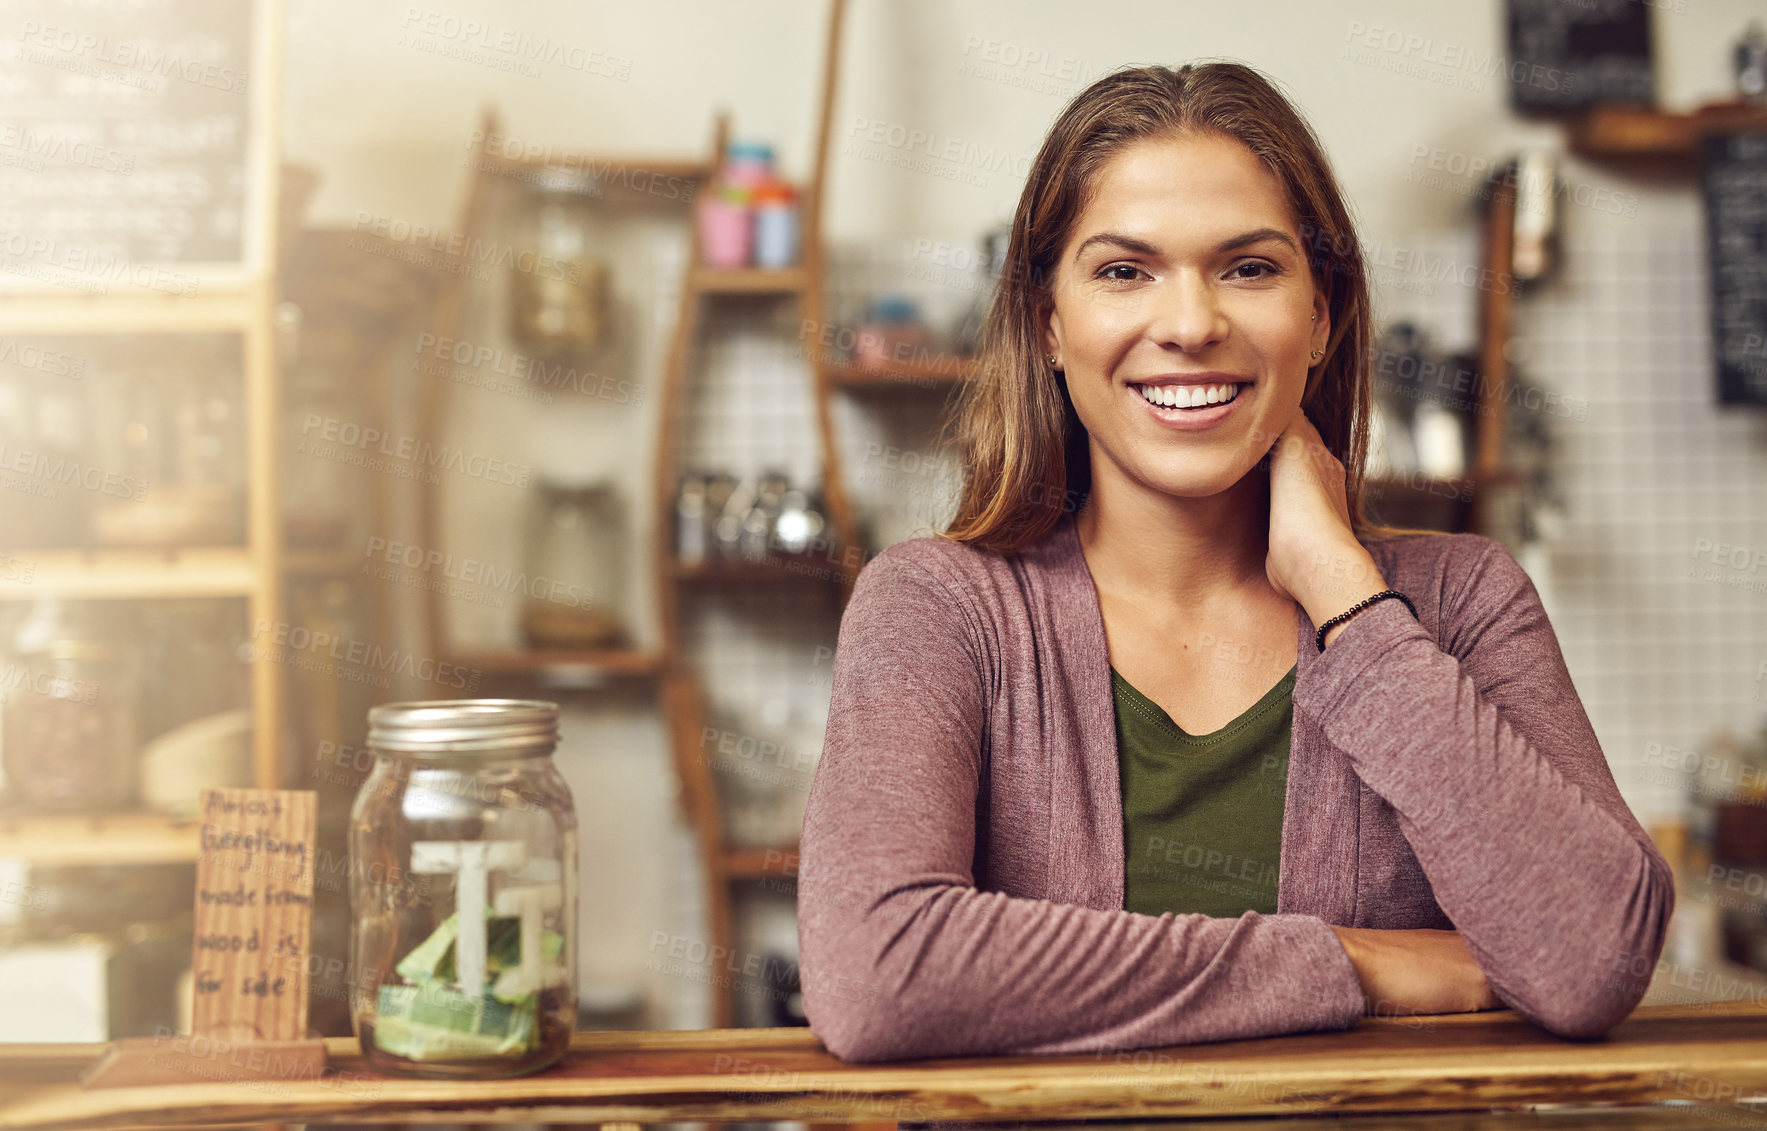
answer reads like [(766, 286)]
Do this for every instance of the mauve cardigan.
[(961, 871)]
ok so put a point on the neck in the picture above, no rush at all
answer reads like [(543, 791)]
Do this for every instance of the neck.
[(1183, 552)]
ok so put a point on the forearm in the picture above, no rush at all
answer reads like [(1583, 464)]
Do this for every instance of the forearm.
[(1548, 886), (953, 971)]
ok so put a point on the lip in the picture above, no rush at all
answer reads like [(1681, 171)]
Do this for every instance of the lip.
[(1191, 419)]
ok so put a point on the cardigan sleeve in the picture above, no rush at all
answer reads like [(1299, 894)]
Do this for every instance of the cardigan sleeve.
[(1486, 754), (902, 956)]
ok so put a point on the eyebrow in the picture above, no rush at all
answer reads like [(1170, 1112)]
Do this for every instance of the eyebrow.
[(1142, 247)]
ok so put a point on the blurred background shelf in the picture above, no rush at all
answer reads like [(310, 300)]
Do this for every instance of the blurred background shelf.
[(1625, 134), (607, 661), (124, 574), (929, 373), (102, 839)]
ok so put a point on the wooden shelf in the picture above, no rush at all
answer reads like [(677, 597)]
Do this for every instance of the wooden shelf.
[(128, 314), (1436, 485), (596, 168), (756, 863), (749, 280), (806, 568), (220, 572), (605, 661), (1638, 135), (321, 563), (938, 372), (119, 838)]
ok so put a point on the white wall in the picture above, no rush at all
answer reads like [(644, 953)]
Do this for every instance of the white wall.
[(389, 123)]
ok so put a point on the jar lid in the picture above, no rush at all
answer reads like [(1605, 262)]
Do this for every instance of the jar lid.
[(749, 151), (439, 728)]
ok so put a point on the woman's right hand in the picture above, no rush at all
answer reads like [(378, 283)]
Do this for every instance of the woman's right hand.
[(1416, 972)]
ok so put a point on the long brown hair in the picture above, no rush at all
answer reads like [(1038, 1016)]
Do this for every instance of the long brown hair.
[(1022, 448)]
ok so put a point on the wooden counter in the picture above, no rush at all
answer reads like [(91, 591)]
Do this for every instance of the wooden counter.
[(1710, 1055)]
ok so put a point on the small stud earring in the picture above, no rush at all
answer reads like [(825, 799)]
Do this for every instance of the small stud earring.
[(1317, 354), (1052, 362)]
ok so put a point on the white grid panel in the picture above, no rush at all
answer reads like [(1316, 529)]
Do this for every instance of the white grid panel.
[(1656, 471)]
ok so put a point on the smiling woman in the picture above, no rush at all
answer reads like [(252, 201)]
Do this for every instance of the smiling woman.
[(1138, 752)]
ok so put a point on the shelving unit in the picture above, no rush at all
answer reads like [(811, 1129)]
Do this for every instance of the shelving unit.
[(724, 866), (230, 299), (680, 692)]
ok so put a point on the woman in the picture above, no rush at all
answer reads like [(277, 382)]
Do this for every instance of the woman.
[(1091, 779)]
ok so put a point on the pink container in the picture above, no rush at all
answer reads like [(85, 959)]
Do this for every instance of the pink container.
[(727, 227)]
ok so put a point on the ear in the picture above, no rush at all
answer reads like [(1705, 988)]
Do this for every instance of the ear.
[(1321, 320), (1051, 333)]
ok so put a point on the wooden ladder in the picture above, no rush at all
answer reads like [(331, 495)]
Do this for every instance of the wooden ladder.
[(725, 867)]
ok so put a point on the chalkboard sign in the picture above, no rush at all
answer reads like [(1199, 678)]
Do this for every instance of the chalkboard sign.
[(1733, 180), (1572, 54), (127, 145)]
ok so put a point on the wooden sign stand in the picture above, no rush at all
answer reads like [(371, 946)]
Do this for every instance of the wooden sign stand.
[(254, 910)]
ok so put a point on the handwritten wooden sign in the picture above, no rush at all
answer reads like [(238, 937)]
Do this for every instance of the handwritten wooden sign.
[(254, 913), (254, 917)]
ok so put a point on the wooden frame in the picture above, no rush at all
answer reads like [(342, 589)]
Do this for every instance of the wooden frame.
[(257, 261)]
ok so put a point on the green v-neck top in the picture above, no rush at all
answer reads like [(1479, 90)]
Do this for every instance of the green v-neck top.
[(1202, 814)]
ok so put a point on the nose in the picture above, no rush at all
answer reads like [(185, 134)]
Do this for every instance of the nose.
[(1186, 313)]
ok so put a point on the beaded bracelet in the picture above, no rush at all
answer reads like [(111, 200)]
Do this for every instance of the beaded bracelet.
[(1319, 639)]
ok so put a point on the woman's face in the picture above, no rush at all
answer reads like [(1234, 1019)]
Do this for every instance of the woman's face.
[(1185, 271)]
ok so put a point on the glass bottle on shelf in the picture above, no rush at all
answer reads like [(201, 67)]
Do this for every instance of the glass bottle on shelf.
[(317, 514), (558, 294), (170, 423), (763, 513), (39, 420), (574, 591), (70, 727)]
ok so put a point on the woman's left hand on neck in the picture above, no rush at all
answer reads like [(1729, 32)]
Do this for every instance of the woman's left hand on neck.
[(1314, 555)]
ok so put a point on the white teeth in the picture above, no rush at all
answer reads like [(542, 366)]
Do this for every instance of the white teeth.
[(1188, 396)]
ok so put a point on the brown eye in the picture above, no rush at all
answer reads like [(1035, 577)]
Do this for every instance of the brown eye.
[(1104, 272)]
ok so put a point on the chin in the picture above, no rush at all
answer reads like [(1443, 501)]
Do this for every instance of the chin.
[(1194, 482)]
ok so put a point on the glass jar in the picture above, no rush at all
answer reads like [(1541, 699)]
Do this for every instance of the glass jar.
[(463, 891), (558, 297), (69, 741), (574, 592)]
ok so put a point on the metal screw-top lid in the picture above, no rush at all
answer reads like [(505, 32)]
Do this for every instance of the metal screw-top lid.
[(440, 728)]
